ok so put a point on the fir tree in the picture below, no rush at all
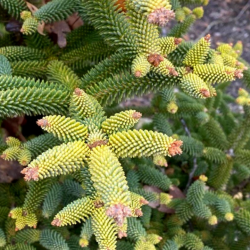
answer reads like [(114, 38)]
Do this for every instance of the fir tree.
[(93, 180)]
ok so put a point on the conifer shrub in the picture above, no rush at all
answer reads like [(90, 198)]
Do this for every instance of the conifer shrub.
[(97, 178)]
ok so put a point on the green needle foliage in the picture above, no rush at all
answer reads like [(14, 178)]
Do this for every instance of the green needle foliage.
[(99, 177)]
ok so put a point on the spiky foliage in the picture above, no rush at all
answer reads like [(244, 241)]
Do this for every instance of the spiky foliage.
[(52, 240), (209, 147), (243, 219), (14, 53), (52, 200), (122, 121), (65, 158), (135, 148), (103, 168), (5, 66), (82, 209), (2, 238), (113, 203), (41, 101), (81, 171), (54, 11), (198, 53), (14, 7), (25, 152), (86, 233), (64, 128)]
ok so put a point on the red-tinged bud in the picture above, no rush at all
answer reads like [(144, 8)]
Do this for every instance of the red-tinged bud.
[(31, 173), (229, 72), (205, 92), (189, 70), (137, 73), (172, 71), (121, 234), (119, 212), (136, 115), (138, 212), (161, 16), (143, 201), (155, 59), (207, 37), (43, 123), (121, 4), (238, 74), (4, 156), (78, 92), (174, 148), (177, 41), (97, 143), (24, 163), (56, 222), (98, 204)]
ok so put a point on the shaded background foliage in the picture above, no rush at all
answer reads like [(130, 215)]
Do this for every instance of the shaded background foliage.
[(216, 155)]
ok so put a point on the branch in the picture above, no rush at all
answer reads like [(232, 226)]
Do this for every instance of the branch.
[(191, 174), (185, 127)]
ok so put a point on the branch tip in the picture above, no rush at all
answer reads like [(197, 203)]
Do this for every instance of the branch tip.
[(119, 212), (174, 148), (207, 37), (121, 234), (205, 92), (143, 201), (138, 212), (78, 92), (56, 222), (161, 16), (238, 73), (42, 123), (137, 73), (177, 41), (155, 59), (136, 115), (31, 173)]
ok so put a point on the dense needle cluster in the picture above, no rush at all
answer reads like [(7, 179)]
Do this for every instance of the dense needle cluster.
[(99, 176)]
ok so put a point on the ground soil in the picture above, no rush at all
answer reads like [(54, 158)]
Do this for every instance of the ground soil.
[(232, 19)]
